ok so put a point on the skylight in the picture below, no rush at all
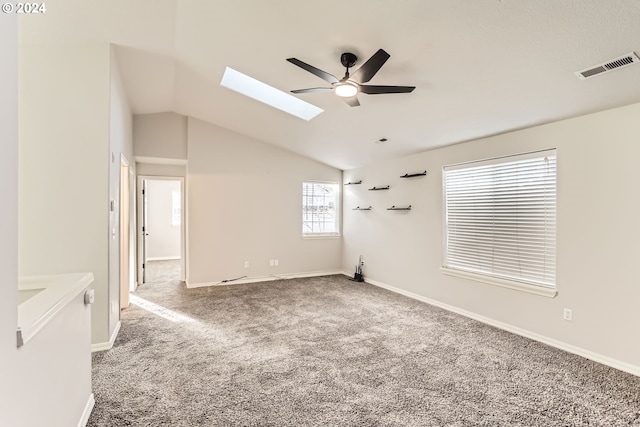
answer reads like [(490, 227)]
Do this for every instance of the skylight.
[(266, 94)]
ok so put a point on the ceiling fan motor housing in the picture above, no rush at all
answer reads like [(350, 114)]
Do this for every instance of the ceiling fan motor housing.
[(348, 59)]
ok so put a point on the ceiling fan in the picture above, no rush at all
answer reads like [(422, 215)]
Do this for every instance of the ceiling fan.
[(348, 87)]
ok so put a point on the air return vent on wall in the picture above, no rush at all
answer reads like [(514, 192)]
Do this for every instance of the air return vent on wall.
[(613, 64)]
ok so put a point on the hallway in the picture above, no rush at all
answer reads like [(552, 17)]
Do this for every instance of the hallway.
[(163, 271)]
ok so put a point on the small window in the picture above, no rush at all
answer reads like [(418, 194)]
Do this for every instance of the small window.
[(501, 219), (320, 209)]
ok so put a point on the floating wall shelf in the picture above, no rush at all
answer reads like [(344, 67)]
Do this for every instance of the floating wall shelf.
[(358, 208), (412, 175), (353, 183), (379, 188), (397, 208)]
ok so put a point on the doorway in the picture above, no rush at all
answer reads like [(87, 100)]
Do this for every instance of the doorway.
[(161, 229)]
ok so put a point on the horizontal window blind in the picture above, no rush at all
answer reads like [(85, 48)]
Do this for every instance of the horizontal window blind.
[(501, 218)]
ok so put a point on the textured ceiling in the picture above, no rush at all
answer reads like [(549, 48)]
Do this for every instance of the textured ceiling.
[(481, 67)]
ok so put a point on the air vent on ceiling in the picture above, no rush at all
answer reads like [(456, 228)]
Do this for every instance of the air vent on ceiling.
[(613, 64)]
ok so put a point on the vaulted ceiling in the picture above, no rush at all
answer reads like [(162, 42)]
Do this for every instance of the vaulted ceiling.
[(481, 67)]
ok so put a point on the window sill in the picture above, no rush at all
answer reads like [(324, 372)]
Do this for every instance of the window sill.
[(504, 283), (321, 236)]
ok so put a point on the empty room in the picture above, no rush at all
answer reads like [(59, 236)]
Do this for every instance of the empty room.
[(279, 213)]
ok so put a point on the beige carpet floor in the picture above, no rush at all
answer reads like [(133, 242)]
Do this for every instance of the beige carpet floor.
[(330, 352)]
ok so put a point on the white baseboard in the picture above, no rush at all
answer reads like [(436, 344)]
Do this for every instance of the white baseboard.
[(256, 279), (605, 360), (163, 258), (308, 274), (102, 346), (87, 411)]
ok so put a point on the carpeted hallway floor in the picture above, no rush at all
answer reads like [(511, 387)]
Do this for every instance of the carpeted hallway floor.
[(330, 352), (162, 271)]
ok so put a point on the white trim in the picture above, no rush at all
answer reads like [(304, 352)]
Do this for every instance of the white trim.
[(338, 216), (500, 159), (504, 283), (183, 224), (257, 279), (102, 346), (160, 161), (56, 292), (308, 274), (84, 419), (163, 258), (605, 360)]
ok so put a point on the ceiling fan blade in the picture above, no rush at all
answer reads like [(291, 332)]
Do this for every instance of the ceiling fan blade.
[(371, 67), (313, 70), (313, 89), (352, 101), (376, 90)]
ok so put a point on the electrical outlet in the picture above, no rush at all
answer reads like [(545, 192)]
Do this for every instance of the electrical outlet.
[(246, 264), (568, 314), (276, 262)]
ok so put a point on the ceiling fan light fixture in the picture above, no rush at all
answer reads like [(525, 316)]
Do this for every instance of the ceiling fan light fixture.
[(346, 90)]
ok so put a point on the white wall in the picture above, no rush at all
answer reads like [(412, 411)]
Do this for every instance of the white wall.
[(9, 410), (120, 145), (244, 203), (64, 166), (160, 137), (53, 387), (598, 233), (53, 373), (150, 169), (163, 241)]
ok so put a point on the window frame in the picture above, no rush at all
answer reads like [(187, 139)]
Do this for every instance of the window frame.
[(337, 209), (530, 286)]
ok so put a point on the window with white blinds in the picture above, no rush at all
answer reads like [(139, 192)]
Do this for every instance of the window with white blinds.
[(320, 208), (501, 218)]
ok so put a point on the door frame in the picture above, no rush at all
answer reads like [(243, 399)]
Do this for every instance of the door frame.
[(127, 231), (141, 207)]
